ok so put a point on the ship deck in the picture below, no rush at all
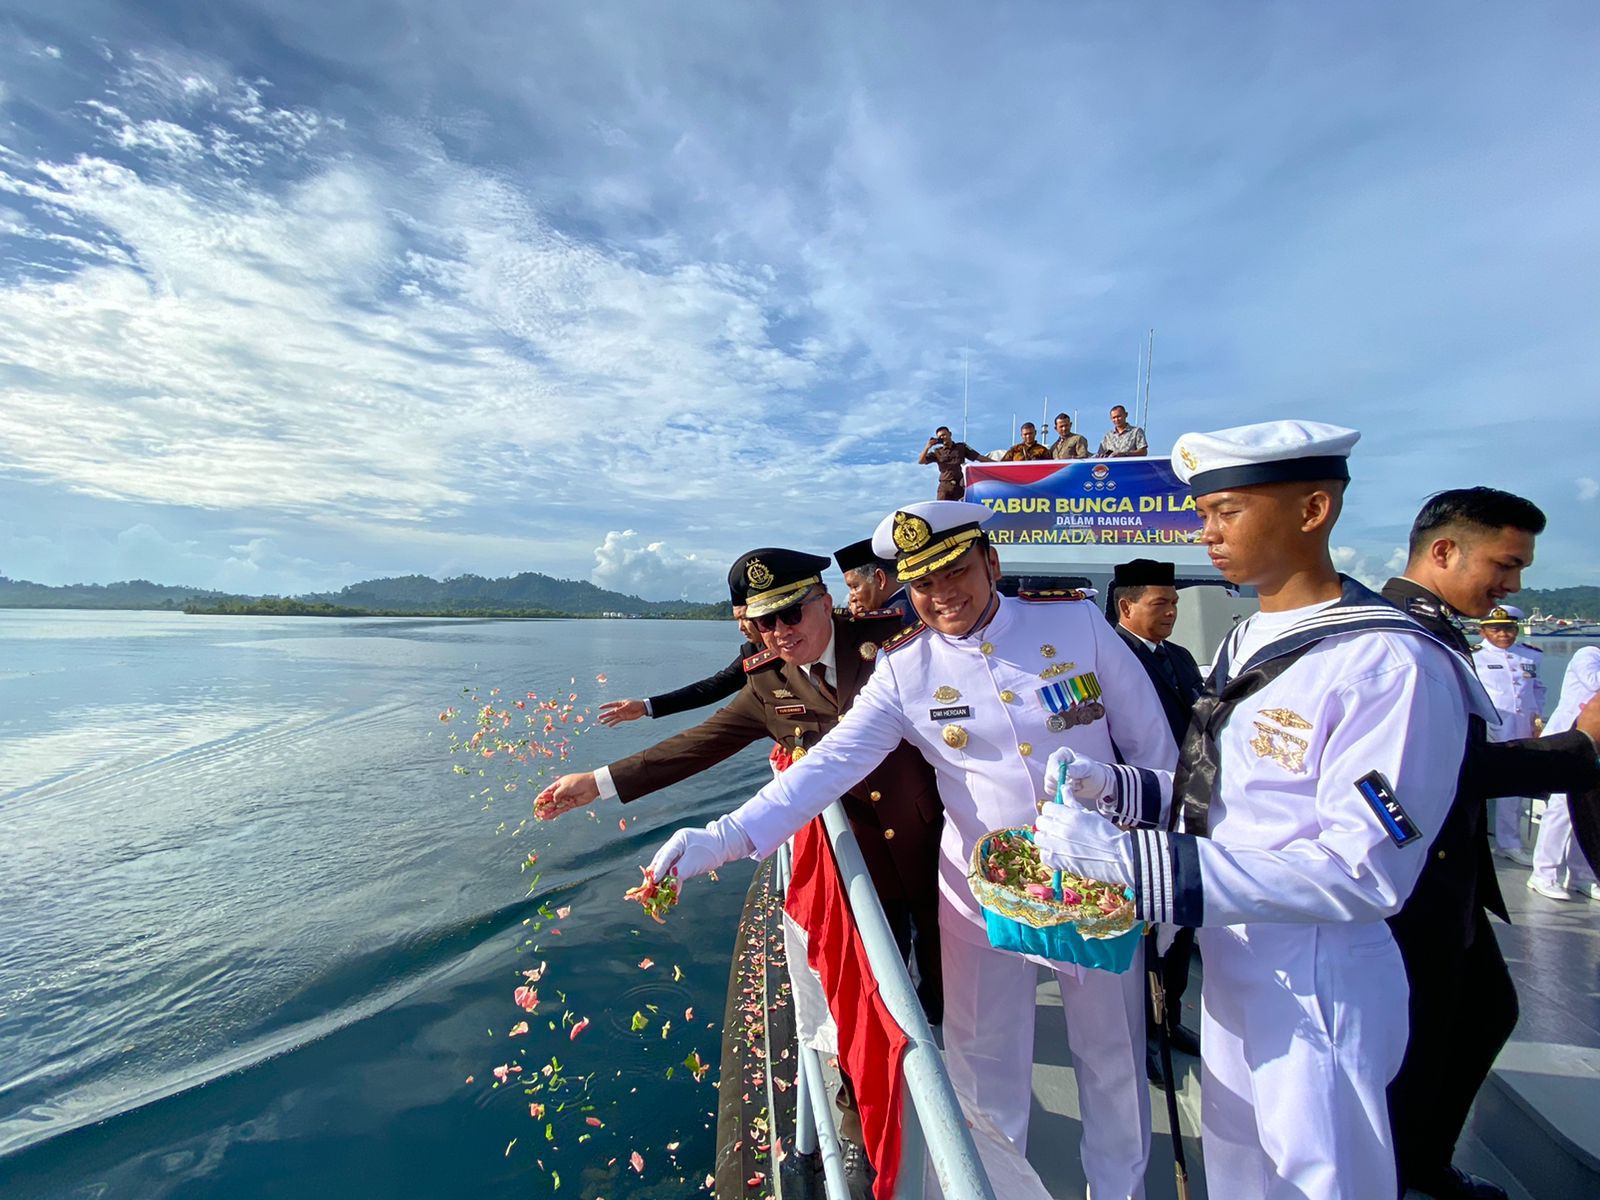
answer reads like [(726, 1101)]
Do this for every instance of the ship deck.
[(1536, 1126)]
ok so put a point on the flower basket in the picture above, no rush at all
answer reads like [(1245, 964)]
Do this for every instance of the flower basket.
[(1080, 933)]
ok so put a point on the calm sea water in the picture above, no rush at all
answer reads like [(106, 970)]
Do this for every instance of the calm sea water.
[(257, 933)]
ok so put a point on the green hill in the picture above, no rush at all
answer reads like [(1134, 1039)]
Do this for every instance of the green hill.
[(528, 594), (1582, 603)]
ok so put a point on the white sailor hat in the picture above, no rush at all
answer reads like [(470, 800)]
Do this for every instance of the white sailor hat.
[(921, 538), (1271, 452), (1503, 614)]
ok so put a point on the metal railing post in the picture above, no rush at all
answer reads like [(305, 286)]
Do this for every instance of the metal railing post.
[(833, 1176), (927, 1086)]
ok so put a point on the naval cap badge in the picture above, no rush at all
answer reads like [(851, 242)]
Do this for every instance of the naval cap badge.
[(911, 532)]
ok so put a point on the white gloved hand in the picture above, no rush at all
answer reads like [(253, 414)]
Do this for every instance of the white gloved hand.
[(1084, 843), (692, 852), (1092, 784), (1165, 935)]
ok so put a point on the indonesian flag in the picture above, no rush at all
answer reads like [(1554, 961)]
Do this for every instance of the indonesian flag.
[(871, 1044)]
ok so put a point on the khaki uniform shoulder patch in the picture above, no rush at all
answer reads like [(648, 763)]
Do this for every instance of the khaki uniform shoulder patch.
[(1054, 594), (758, 660), (901, 638)]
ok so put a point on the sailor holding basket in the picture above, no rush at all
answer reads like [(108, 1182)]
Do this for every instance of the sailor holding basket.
[(1321, 763), (986, 689)]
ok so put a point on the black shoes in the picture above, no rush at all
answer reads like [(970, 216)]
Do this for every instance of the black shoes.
[(858, 1172), (1455, 1184)]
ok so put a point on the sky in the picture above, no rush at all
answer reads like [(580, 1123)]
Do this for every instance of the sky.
[(297, 294)]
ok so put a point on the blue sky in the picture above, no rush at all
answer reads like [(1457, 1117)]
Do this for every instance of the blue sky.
[(302, 293)]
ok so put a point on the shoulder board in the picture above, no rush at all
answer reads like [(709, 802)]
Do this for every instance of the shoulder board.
[(840, 612), (1527, 649), (880, 614), (1062, 594), (759, 660), (901, 638), (1476, 646)]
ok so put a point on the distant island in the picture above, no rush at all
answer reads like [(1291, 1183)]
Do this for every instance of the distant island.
[(529, 594)]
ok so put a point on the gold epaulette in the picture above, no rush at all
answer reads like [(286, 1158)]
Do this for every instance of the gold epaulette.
[(759, 659), (1055, 594), (901, 638)]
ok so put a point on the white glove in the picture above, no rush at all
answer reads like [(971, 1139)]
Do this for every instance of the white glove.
[(1084, 843), (692, 852), (1092, 784)]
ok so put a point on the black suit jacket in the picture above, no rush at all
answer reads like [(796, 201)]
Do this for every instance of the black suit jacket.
[(1460, 872), (1177, 703), (706, 691), (895, 811)]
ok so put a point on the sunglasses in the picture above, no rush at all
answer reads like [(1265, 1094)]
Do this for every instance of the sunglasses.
[(789, 616)]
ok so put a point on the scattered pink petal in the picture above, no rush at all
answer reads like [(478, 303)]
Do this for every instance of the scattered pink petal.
[(536, 1111), (517, 1030), (688, 1014), (637, 1161), (672, 1146), (564, 911), (646, 963), (596, 1122), (599, 678), (469, 1078), (577, 1029), (526, 998), (622, 824)]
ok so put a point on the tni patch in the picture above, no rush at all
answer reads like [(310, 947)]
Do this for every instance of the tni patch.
[(1375, 790)]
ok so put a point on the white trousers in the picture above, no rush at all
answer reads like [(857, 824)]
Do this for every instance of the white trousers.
[(1302, 1028), (1510, 812), (989, 998), (1556, 855)]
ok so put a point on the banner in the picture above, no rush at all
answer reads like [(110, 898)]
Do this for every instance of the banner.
[(1085, 502)]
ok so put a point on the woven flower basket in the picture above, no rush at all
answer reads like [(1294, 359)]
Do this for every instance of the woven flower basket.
[(1052, 929)]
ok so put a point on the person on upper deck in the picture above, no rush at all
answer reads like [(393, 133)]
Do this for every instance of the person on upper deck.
[(1122, 440), (949, 455), (1029, 448), (1067, 443)]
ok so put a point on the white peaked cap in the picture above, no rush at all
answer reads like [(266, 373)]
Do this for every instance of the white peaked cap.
[(921, 538), (1270, 452)]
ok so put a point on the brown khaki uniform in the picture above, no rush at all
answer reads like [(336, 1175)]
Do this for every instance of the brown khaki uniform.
[(895, 811), (952, 485), (1022, 452)]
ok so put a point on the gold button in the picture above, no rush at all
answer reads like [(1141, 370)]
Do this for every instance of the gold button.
[(1008, 696), (987, 647), (1025, 748), (887, 834), (874, 796), (1441, 854)]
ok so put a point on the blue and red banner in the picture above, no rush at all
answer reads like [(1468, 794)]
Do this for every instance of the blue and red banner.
[(1085, 502)]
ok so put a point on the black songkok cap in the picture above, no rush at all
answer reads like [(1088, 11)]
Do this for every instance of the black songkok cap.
[(856, 555), (1144, 572)]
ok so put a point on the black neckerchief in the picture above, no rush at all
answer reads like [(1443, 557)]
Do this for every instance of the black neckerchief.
[(1358, 610)]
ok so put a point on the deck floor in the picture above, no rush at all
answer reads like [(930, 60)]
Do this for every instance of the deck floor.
[(1543, 1103)]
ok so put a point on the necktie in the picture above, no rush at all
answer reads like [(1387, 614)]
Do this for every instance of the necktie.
[(1164, 662), (819, 678)]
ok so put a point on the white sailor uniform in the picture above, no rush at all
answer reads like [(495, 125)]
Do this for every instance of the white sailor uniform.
[(1511, 677), (1557, 862), (986, 710), (1333, 779)]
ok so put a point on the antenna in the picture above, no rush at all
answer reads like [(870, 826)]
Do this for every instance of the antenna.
[(963, 394), (1149, 362)]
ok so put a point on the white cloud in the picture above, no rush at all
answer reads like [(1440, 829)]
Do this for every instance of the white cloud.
[(1588, 488), (625, 562), (1371, 569)]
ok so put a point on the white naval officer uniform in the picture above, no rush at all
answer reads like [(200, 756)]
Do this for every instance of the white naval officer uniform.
[(1511, 677), (1557, 861), (1332, 777), (991, 781)]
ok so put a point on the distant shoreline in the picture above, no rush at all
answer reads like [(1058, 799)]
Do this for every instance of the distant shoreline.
[(295, 608)]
